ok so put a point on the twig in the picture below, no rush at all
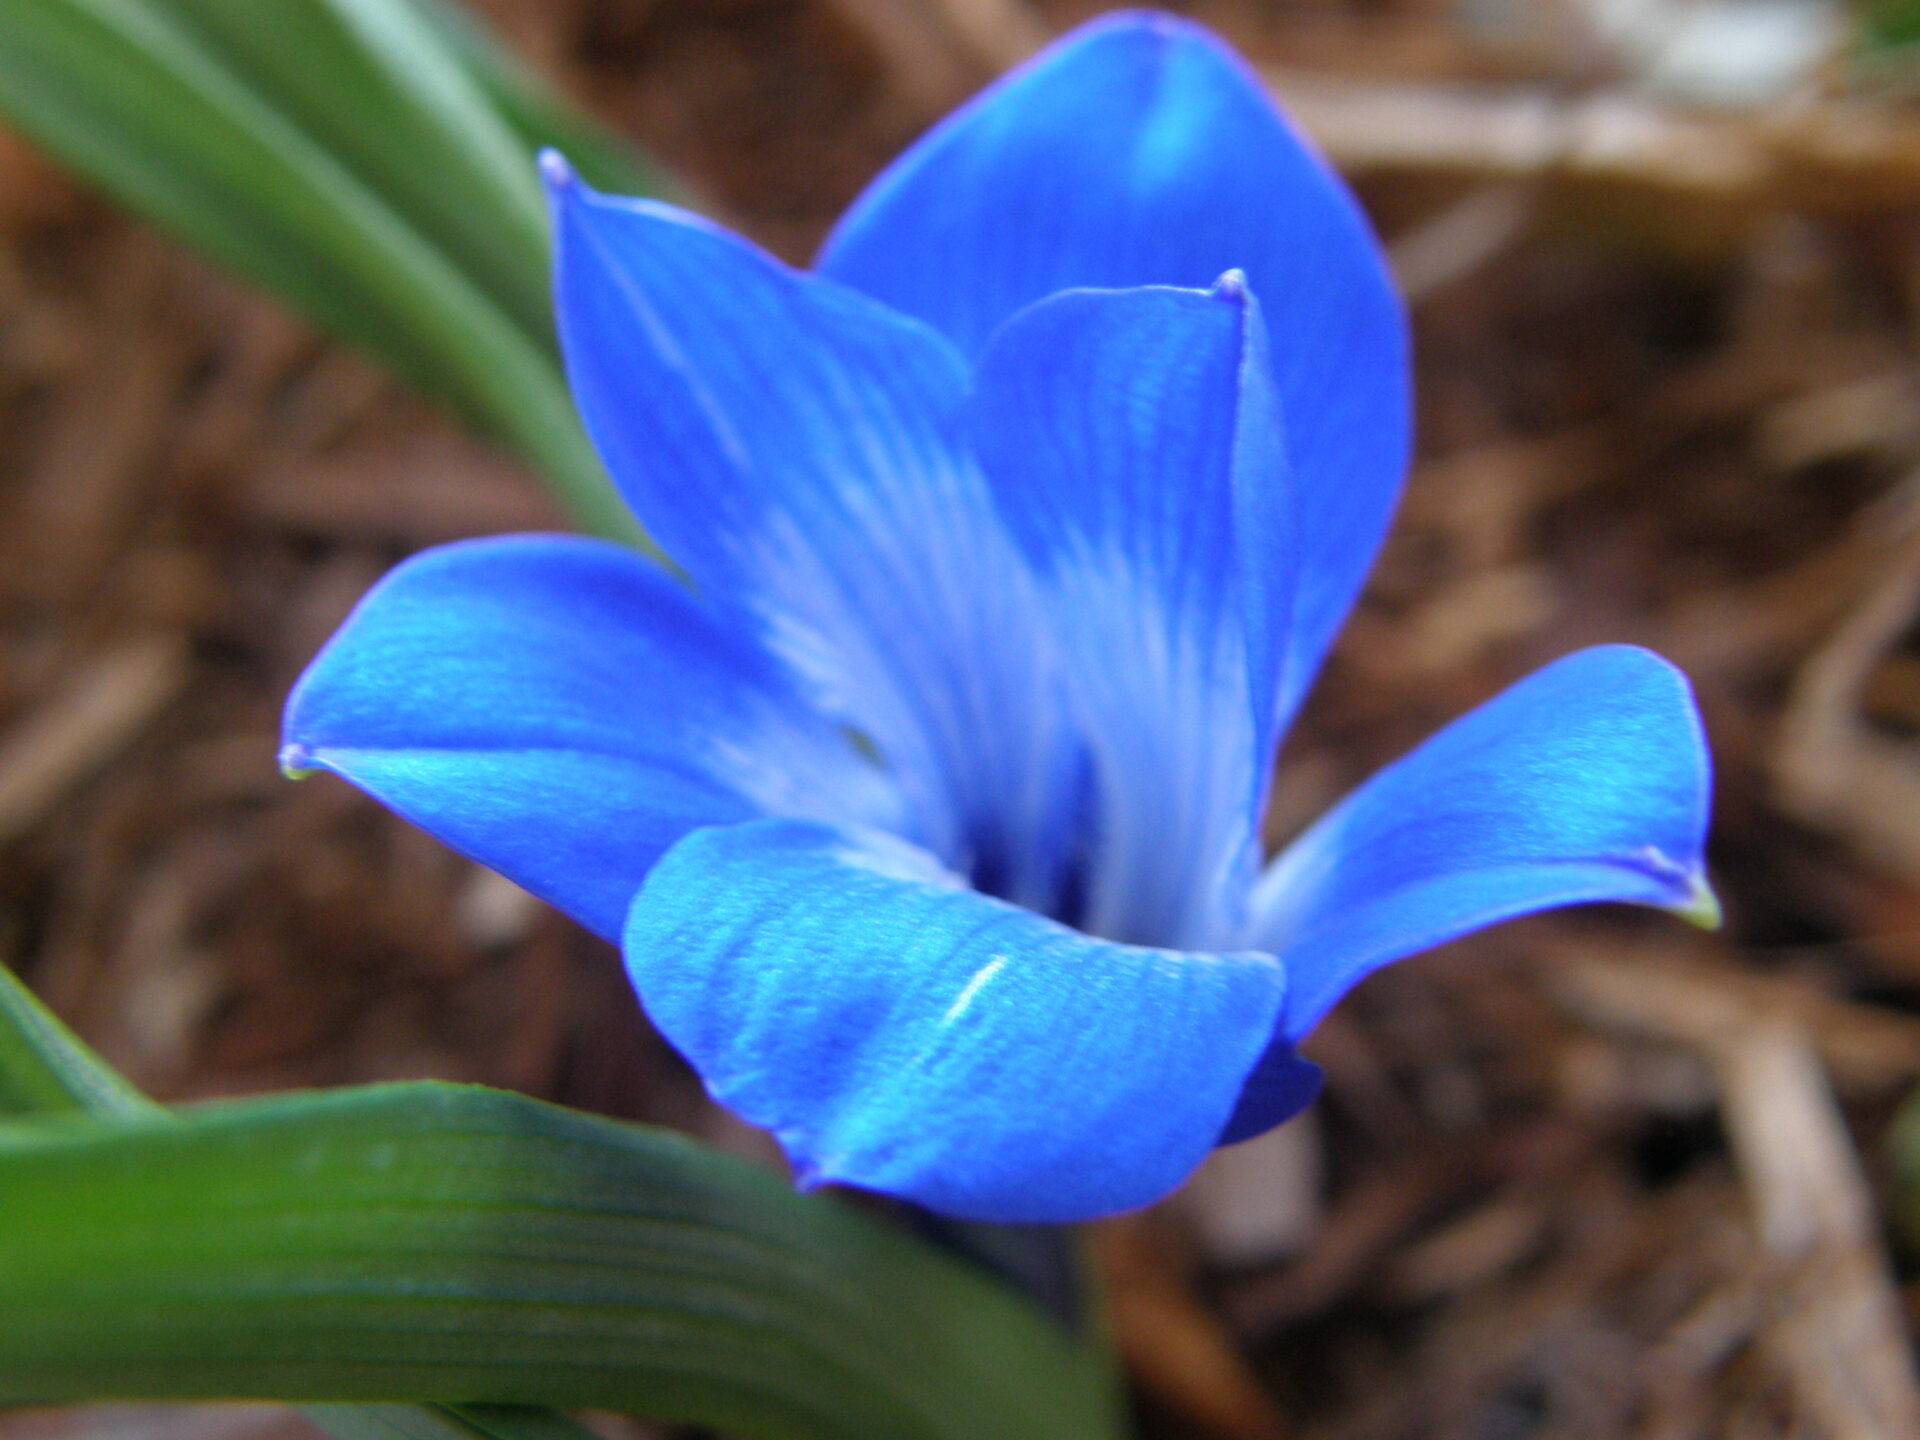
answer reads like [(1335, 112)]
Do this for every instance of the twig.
[(1835, 1320), (1838, 1326), (1175, 1346), (1829, 769), (926, 65), (1673, 997), (1000, 33), (80, 730), (1840, 155), (1461, 239)]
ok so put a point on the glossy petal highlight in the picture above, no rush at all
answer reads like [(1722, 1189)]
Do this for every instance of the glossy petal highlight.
[(795, 446), (1133, 442), (1140, 151), (900, 1032), (562, 711), (1586, 781)]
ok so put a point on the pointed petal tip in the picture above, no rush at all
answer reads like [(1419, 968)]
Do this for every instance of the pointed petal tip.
[(1701, 907), (556, 170), (1231, 286)]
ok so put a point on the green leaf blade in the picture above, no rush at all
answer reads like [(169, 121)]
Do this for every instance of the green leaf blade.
[(541, 117), (46, 1070), (129, 95), (443, 1243), (445, 1422), (372, 85)]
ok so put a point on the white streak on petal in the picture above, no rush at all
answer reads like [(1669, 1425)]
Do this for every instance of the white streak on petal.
[(973, 987)]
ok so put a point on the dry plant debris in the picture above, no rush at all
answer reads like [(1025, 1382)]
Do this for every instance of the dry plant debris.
[(1585, 1177)]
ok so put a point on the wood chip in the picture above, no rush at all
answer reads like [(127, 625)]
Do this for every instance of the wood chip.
[(1174, 1345), (1830, 769), (1837, 1318), (1683, 995), (1835, 154), (1837, 1322), (78, 731)]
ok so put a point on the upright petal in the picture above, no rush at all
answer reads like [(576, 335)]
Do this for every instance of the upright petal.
[(1586, 781), (560, 710), (1139, 151), (1133, 442), (903, 1033), (794, 445)]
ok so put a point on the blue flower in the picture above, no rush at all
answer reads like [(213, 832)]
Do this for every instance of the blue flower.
[(928, 819)]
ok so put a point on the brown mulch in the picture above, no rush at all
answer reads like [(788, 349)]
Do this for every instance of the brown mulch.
[(1589, 1176)]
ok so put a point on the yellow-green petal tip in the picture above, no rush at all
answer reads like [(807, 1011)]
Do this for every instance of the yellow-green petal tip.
[(1702, 906)]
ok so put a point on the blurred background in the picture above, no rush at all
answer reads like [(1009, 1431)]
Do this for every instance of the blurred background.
[(1595, 1175)]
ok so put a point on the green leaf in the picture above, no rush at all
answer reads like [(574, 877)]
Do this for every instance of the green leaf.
[(449, 1243), (1889, 24), (153, 101), (46, 1069), (445, 1422), (373, 85), (541, 117)]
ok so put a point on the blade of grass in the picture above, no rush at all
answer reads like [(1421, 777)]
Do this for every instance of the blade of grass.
[(450, 1243), (374, 86), (542, 118), (45, 1069), (445, 1422), (127, 95)]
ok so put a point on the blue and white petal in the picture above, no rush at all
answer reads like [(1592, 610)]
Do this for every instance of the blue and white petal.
[(1586, 781), (795, 446), (562, 711), (901, 1032), (1134, 446), (1141, 151)]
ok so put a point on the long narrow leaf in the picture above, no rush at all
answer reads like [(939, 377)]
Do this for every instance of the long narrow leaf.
[(450, 1243), (540, 116), (373, 84), (445, 1422), (133, 99), (46, 1069)]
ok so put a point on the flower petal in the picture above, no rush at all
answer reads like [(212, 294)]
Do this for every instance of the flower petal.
[(1133, 441), (1140, 151), (1586, 781), (900, 1032), (560, 710), (795, 446)]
